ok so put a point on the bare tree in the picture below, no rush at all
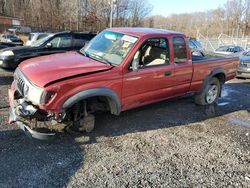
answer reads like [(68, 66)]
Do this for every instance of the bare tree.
[(232, 19)]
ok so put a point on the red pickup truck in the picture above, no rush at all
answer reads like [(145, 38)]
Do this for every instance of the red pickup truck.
[(120, 69)]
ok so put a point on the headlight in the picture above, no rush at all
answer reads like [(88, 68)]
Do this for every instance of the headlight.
[(31, 92), (35, 95), (38, 96), (7, 53)]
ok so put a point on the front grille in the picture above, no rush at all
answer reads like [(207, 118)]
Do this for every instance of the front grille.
[(20, 85), (20, 82), (247, 65), (244, 65)]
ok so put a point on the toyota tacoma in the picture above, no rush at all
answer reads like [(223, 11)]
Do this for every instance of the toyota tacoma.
[(120, 69)]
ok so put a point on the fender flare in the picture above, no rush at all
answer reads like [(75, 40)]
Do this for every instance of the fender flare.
[(113, 98), (212, 74)]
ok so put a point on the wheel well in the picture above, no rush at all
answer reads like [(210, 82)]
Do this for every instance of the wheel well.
[(221, 77), (98, 104), (95, 96)]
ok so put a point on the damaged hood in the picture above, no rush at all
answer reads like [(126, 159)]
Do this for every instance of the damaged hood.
[(45, 69)]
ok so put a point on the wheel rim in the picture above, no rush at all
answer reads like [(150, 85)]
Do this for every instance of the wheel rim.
[(212, 94)]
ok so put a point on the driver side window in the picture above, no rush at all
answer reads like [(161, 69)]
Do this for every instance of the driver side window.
[(153, 52)]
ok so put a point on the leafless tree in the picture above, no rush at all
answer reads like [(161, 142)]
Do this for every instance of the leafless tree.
[(80, 15), (232, 19)]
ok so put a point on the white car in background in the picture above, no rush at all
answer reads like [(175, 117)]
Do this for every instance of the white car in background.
[(36, 36)]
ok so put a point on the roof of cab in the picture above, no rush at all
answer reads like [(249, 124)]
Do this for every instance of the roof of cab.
[(141, 31)]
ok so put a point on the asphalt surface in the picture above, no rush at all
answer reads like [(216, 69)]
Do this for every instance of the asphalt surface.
[(168, 144)]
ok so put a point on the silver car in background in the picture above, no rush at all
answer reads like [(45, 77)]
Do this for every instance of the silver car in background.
[(244, 66), (230, 50), (35, 36)]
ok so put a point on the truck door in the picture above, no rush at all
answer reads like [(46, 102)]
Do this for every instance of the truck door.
[(153, 80), (183, 68)]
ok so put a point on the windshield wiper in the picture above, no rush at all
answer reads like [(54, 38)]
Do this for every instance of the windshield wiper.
[(101, 59)]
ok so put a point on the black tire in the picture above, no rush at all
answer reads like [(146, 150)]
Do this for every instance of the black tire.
[(203, 96)]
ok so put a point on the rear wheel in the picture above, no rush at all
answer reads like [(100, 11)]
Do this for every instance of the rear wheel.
[(210, 93)]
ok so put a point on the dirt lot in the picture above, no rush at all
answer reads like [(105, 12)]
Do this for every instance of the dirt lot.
[(169, 144)]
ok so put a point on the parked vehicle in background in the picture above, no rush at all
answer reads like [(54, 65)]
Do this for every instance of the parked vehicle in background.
[(10, 38), (54, 43), (120, 69), (196, 46), (7, 45), (36, 36), (230, 50), (244, 66), (248, 47)]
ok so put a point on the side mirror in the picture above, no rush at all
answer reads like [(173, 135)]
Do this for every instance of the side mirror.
[(135, 65), (48, 45), (197, 53)]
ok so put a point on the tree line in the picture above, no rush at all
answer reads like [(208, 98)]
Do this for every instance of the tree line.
[(94, 15), (233, 19), (77, 15)]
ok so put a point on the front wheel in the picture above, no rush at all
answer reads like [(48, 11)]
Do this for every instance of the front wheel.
[(210, 93)]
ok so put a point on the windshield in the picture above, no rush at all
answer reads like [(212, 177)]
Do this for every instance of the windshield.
[(12, 37), (41, 41), (198, 44), (109, 47)]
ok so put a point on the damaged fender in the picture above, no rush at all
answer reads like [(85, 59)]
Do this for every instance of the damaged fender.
[(113, 99)]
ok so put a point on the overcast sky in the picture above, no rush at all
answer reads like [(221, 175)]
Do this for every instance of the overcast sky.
[(168, 7)]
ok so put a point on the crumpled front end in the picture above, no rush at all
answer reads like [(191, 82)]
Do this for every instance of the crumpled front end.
[(23, 112)]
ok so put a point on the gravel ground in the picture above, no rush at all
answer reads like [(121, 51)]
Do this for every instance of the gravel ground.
[(168, 144)]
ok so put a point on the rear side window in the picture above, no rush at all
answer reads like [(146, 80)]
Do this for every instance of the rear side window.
[(31, 36), (80, 40), (41, 36), (180, 51)]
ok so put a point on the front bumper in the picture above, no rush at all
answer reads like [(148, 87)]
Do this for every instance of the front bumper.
[(241, 73), (20, 112)]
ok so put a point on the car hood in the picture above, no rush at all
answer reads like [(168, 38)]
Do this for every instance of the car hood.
[(18, 49), (46, 69)]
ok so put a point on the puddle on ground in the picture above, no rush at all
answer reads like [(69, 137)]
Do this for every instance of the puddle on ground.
[(239, 122), (227, 92), (223, 103)]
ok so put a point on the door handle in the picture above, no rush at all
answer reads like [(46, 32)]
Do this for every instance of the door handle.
[(168, 73)]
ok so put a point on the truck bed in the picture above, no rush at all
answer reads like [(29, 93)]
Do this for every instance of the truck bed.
[(204, 65), (211, 57)]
